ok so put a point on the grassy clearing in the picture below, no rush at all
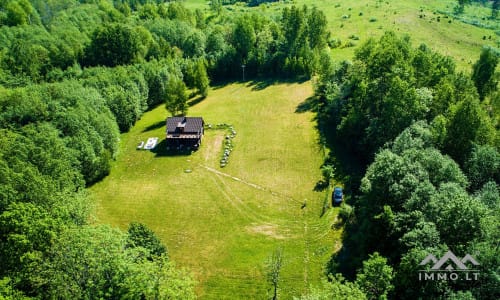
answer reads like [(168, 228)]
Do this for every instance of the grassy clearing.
[(223, 224)]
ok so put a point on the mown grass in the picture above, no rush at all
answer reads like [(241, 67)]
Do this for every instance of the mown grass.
[(224, 228)]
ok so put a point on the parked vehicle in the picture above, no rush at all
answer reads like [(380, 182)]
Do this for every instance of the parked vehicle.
[(337, 196)]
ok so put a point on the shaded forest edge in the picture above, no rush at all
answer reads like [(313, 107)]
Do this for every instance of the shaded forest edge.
[(415, 143)]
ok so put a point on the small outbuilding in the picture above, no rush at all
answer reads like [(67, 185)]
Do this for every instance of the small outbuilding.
[(184, 131)]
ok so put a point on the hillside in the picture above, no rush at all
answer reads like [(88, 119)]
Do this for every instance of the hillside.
[(425, 21)]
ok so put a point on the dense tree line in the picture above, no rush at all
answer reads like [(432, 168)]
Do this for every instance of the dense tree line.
[(57, 138), (416, 143)]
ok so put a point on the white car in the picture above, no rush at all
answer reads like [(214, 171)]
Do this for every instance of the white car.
[(140, 145)]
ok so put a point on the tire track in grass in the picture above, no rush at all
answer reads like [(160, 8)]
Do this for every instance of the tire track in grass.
[(232, 202), (255, 186), (318, 227), (306, 248), (312, 233)]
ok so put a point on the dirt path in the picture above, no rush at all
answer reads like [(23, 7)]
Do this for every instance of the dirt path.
[(213, 147)]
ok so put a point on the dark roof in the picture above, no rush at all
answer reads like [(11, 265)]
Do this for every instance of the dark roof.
[(191, 125)]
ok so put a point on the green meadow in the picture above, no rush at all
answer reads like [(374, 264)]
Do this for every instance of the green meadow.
[(425, 21), (223, 224)]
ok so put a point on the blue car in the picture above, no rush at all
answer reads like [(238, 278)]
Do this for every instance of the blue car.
[(338, 195)]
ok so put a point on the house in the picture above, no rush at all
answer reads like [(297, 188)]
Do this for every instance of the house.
[(184, 131)]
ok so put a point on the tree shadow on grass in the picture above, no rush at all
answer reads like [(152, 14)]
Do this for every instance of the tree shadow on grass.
[(196, 100), (261, 84), (310, 104), (154, 126), (320, 186), (257, 84), (222, 83), (162, 150)]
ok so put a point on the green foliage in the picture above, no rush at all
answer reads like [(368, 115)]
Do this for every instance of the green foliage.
[(158, 279), (113, 45), (81, 116), (26, 231), (489, 195), (375, 277), (201, 81), (468, 125), (176, 97), (414, 199), (139, 235), (216, 6), (482, 166), (124, 89), (317, 33), (244, 38), (328, 172), (388, 87), (453, 210), (336, 288), (483, 72), (37, 167), (8, 292), (92, 262), (157, 75), (19, 12)]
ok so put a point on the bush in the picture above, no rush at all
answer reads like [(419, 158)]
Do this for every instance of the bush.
[(346, 212), (334, 43), (349, 44)]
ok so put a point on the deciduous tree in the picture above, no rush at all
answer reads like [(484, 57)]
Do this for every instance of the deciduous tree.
[(483, 71)]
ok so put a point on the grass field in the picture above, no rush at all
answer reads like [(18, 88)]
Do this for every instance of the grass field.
[(371, 18), (224, 223)]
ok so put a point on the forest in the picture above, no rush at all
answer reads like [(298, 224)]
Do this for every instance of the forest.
[(416, 143), (413, 139)]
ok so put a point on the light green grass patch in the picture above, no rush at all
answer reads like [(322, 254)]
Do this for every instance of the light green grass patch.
[(223, 223)]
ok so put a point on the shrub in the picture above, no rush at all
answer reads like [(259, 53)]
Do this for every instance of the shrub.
[(334, 43), (346, 212), (349, 44)]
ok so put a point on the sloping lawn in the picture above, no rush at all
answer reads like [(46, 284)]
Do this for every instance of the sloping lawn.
[(224, 223)]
